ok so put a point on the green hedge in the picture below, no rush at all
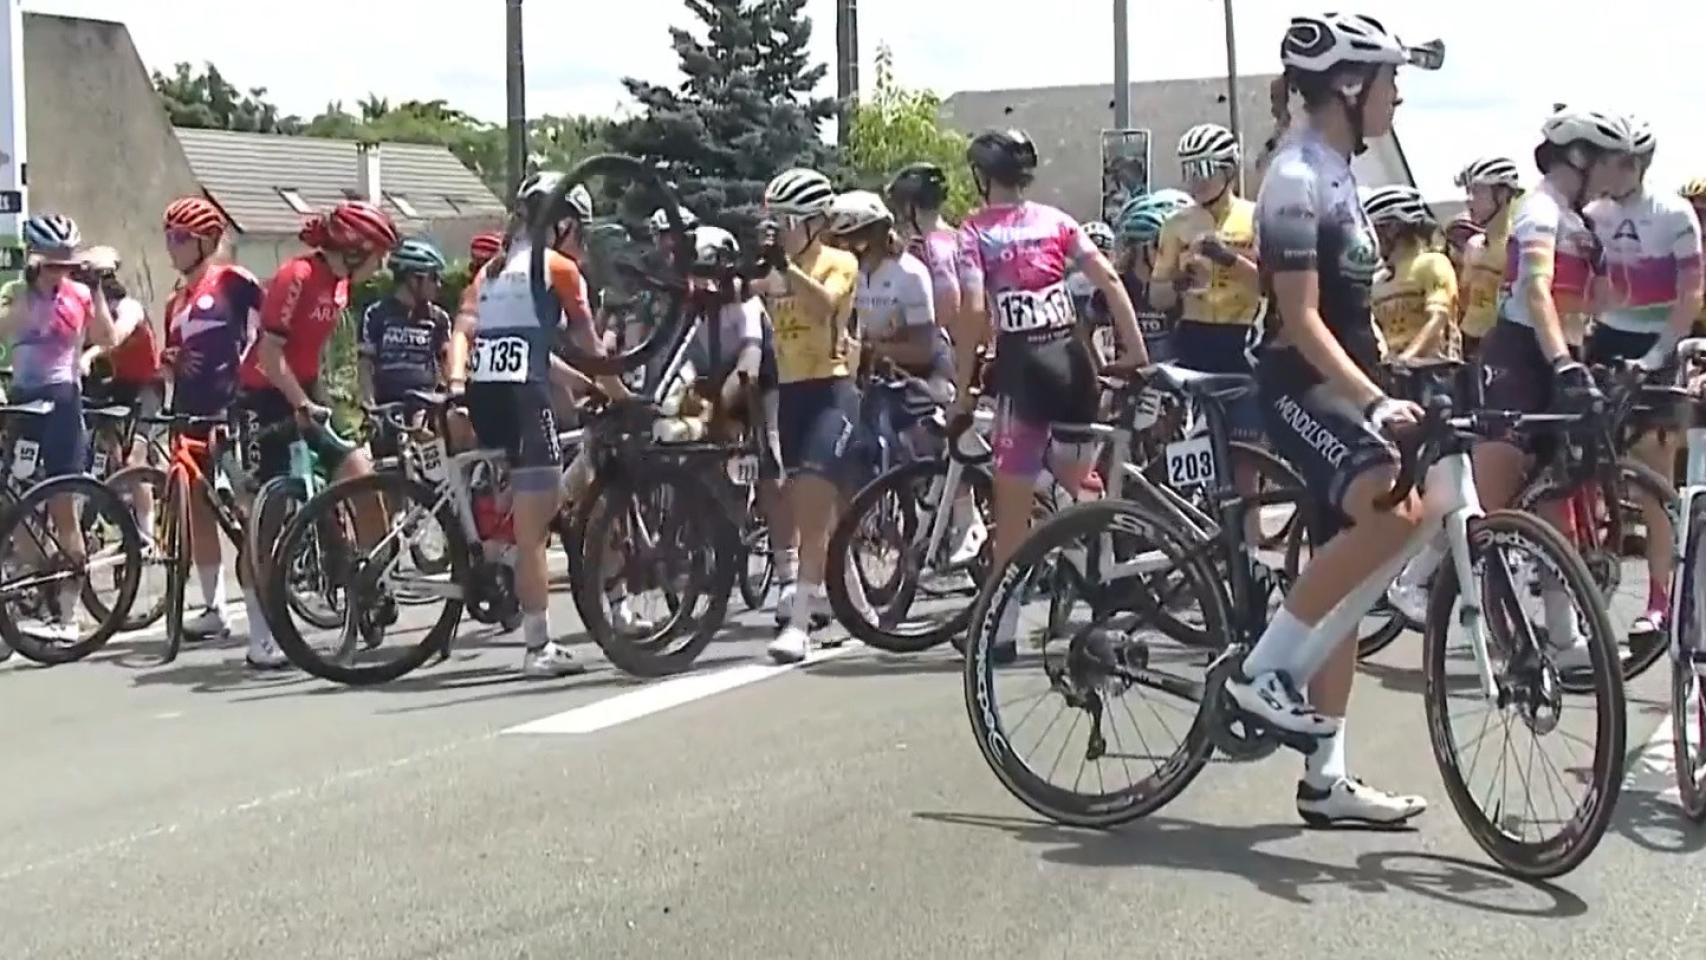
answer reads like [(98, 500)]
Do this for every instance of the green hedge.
[(338, 369)]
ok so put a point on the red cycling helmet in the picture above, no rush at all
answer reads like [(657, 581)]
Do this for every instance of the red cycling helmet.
[(485, 246), (195, 215), (358, 225)]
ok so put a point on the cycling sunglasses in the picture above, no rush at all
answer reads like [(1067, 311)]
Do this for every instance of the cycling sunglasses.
[(178, 235), (1199, 170)]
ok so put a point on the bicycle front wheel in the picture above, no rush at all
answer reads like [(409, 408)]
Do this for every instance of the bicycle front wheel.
[(143, 489), (1532, 588), (1688, 678)]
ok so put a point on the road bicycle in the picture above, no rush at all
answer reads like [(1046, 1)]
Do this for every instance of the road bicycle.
[(1173, 612), (1687, 639)]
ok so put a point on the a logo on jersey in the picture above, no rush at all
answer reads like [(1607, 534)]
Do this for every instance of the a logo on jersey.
[(1360, 260), (407, 337), (1626, 231), (205, 302)]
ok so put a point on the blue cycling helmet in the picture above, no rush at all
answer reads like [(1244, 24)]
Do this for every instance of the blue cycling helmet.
[(417, 256), (53, 236), (1140, 220)]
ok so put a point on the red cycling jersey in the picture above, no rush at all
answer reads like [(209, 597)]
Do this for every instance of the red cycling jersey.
[(302, 306)]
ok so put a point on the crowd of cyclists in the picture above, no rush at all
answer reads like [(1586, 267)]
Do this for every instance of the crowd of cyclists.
[(1316, 288)]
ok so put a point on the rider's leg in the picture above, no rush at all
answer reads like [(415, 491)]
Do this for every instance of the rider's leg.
[(829, 409), (1657, 450)]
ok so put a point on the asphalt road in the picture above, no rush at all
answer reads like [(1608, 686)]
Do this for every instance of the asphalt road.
[(840, 809)]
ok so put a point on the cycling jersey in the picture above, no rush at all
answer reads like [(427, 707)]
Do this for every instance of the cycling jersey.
[(1650, 241), (739, 325), (302, 306), (939, 250), (405, 346), (809, 345), (46, 345), (1309, 218), (1156, 326), (1484, 273), (1550, 241), (211, 324), (511, 345), (1227, 297), (1417, 283), (135, 360)]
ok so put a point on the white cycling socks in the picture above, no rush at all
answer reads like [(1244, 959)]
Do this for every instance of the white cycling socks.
[(536, 629), (259, 633), (212, 579), (1326, 766), (1277, 645), (1418, 570)]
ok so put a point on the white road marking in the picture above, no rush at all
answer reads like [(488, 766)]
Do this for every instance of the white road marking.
[(1657, 759), (657, 697)]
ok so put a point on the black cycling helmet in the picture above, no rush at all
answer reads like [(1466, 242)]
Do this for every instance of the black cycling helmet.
[(919, 185), (1006, 157)]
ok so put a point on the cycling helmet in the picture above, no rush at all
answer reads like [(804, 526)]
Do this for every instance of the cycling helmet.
[(1210, 144), (53, 235), (715, 249), (485, 246), (417, 256), (1694, 189), (1100, 234), (799, 192), (1317, 46), (356, 225), (855, 210), (1002, 156), (919, 185), (1397, 204), (1140, 219), (1604, 130), (103, 259), (659, 221), (1645, 140), (538, 187), (1492, 171), (197, 216)]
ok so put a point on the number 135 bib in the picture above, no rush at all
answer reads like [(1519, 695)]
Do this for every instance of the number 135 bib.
[(499, 360)]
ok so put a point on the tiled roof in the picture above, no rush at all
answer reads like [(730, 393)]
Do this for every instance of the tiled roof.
[(249, 175)]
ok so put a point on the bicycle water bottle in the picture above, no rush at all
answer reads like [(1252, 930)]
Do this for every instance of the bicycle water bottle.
[(301, 460)]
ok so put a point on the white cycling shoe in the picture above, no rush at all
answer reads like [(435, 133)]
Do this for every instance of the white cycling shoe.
[(793, 645), (264, 654), (1409, 599), (1272, 699), (208, 624), (550, 662), (625, 621), (1350, 800)]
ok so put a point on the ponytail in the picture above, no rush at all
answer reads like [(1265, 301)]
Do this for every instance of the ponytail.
[(316, 233)]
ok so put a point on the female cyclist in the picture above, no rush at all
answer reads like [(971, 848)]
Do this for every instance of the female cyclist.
[(916, 195), (1137, 230), (1316, 365), (47, 325), (404, 336), (1415, 294), (1493, 186), (210, 319), (809, 291), (1015, 255), (279, 378)]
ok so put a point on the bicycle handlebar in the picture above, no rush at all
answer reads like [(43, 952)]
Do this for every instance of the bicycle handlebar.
[(1438, 425)]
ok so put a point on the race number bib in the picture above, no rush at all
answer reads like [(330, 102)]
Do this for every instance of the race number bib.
[(24, 456), (499, 360), (1107, 343), (743, 470), (1148, 409), (1028, 311), (1190, 463), (432, 460), (98, 466)]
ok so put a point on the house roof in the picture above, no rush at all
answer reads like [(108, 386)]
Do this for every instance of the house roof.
[(250, 175)]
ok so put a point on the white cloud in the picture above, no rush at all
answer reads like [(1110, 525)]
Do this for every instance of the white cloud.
[(1505, 63)]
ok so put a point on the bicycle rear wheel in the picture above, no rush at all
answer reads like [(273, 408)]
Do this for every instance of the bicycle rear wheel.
[(1530, 697), (135, 485), (1688, 680), (175, 553)]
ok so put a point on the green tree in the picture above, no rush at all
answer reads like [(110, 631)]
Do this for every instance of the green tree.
[(208, 101), (896, 126), (745, 109)]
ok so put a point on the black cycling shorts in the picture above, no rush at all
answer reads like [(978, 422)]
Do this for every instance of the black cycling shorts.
[(268, 457), (1045, 382), (1606, 345), (517, 419), (1326, 441), (1517, 376)]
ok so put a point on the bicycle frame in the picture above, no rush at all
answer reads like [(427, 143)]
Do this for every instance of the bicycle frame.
[(184, 457), (1694, 487)]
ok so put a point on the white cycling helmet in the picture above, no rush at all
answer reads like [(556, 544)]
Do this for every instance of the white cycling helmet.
[(1645, 140), (855, 210), (1209, 142), (1598, 128), (715, 247), (1492, 171), (799, 192), (1317, 44), (1397, 204), (539, 186), (659, 221), (1100, 234)]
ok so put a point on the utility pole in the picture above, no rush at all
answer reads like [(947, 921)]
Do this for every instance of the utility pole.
[(516, 83), (846, 65), (1232, 85), (1122, 68)]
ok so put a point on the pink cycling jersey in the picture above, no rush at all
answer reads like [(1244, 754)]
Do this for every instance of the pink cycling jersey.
[(1018, 256)]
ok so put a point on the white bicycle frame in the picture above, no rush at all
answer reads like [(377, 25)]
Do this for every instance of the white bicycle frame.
[(1694, 486)]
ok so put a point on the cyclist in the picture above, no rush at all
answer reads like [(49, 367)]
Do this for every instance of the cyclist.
[(1082, 291), (133, 366), (1014, 258), (279, 378), (1464, 240), (1652, 284), (1415, 295), (1493, 185), (1531, 357), (1316, 363), (404, 336), (1138, 227), (210, 320), (916, 195), (808, 288), (482, 249), (1694, 191), (500, 361), (47, 324)]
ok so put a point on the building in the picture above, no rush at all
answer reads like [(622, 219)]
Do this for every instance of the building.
[(1066, 123), (268, 184)]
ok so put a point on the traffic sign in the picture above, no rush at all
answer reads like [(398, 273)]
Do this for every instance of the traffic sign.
[(11, 201)]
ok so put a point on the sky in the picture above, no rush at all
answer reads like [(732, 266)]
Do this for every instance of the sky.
[(1503, 70)]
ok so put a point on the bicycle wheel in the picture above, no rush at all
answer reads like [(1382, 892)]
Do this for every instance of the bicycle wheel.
[(1687, 685), (312, 589), (375, 640), (175, 555), (658, 531), (1121, 647), (1618, 563), (42, 586), (1528, 697), (918, 601), (137, 485), (758, 562)]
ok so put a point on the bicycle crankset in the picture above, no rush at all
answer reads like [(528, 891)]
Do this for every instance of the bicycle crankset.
[(1234, 732)]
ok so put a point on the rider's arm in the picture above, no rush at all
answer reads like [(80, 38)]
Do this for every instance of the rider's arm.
[(1689, 275), (1534, 285), (367, 349), (971, 325), (283, 298), (1101, 273), (461, 335), (102, 332), (566, 281), (1169, 254)]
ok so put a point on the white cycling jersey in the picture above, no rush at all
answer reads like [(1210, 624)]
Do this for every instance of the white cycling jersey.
[(1650, 240)]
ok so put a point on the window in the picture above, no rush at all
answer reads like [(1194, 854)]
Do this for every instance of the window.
[(295, 201), (402, 203)]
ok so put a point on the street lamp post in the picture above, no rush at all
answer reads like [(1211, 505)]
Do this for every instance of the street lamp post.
[(516, 83), (1122, 68), (1232, 85)]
